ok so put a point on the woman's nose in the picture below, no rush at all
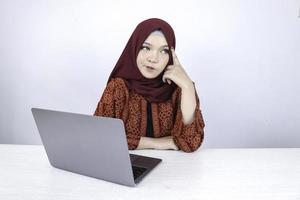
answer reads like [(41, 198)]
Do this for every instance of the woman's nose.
[(153, 57)]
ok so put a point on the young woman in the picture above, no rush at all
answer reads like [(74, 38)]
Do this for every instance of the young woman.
[(151, 92)]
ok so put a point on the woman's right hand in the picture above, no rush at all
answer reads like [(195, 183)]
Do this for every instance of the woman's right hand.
[(166, 143), (162, 143)]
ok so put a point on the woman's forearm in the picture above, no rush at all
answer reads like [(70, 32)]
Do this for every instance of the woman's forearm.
[(157, 143), (188, 103)]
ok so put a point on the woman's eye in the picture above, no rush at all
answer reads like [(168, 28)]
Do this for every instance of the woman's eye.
[(145, 48), (164, 51)]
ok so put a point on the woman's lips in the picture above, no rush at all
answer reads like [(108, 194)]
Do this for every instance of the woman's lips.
[(150, 68)]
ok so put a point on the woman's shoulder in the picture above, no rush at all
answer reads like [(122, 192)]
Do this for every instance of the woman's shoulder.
[(117, 88), (117, 83)]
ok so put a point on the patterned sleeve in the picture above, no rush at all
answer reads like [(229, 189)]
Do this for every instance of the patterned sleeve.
[(189, 137), (112, 104), (112, 101)]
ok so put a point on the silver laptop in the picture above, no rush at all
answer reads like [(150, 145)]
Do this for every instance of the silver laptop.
[(91, 145)]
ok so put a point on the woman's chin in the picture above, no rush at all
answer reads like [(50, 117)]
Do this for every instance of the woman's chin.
[(150, 75)]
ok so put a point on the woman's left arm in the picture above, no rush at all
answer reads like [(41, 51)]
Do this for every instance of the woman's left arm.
[(177, 74), (188, 103), (188, 127)]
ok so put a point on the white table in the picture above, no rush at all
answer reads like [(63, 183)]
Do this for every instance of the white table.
[(25, 173)]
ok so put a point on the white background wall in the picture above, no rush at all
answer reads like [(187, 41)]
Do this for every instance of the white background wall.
[(243, 55)]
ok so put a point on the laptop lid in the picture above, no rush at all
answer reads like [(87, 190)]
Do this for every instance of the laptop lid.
[(84, 144)]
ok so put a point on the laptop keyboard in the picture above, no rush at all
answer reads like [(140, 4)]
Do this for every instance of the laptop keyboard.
[(138, 171)]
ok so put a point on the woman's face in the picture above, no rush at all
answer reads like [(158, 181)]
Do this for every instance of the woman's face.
[(153, 55)]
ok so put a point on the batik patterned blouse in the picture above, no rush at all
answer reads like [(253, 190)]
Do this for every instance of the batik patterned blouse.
[(119, 102)]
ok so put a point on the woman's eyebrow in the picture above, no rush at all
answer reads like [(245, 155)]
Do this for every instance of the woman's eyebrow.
[(147, 43), (151, 45)]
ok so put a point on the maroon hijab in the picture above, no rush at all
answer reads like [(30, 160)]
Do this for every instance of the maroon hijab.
[(153, 90)]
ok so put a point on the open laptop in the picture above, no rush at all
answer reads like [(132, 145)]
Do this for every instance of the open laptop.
[(91, 145)]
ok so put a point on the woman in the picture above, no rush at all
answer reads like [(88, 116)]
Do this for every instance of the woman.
[(150, 91)]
